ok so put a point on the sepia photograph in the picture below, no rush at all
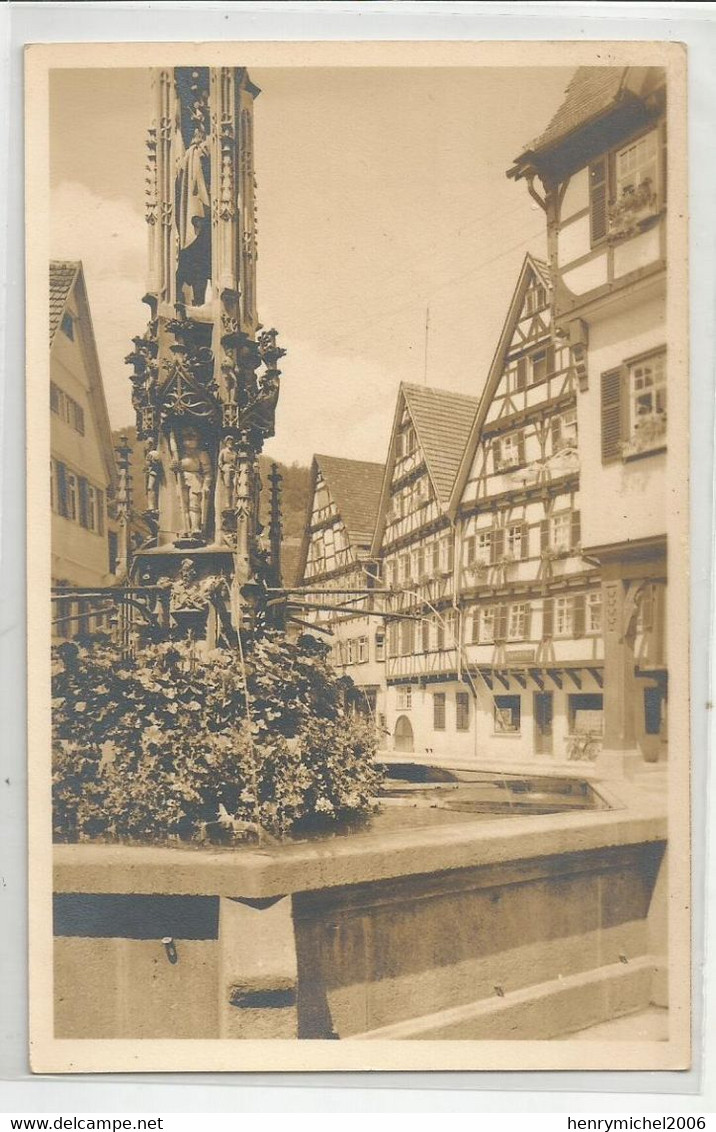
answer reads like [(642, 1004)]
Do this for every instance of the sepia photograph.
[(359, 691)]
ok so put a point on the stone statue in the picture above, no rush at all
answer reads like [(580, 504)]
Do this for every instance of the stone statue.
[(153, 475), (228, 470), (192, 205), (194, 473)]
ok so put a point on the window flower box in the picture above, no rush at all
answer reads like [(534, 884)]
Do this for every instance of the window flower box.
[(649, 433), (634, 209)]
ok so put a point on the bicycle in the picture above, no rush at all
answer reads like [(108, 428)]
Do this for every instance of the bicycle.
[(583, 746)]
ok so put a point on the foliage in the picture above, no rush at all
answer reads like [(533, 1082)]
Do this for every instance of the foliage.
[(162, 745)]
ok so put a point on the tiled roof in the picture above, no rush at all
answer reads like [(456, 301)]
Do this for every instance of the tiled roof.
[(542, 270), (62, 276), (591, 92), (355, 489), (442, 422)]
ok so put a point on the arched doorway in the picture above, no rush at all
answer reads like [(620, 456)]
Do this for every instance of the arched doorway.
[(403, 734)]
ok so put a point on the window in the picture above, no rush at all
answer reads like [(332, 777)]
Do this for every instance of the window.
[(404, 567), (635, 176), (451, 628), (361, 650), (509, 451), (439, 711), (380, 646), (469, 550), (536, 299), (594, 612), (560, 534), (70, 495), (462, 711), (541, 364), (507, 715), (633, 404), (439, 634), (435, 559), (564, 431), (446, 555), (636, 166), (393, 638), (653, 710), (425, 634), (564, 616), (67, 408), (67, 326), (487, 624), (585, 713), (405, 697), (516, 541), (113, 549), (518, 620)]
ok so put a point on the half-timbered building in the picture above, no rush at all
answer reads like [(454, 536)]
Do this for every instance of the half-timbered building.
[(599, 171), (530, 604), (415, 543), (336, 572)]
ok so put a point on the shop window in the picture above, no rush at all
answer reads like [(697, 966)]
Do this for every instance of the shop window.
[(507, 715), (585, 713)]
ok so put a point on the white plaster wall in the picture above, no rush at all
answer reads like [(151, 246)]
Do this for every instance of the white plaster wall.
[(588, 276), (576, 195), (574, 241), (619, 500)]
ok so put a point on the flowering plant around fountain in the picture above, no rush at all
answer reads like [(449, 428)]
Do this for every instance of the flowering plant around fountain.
[(163, 746)]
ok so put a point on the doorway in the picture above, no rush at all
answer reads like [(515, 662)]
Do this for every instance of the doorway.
[(543, 716), (403, 734)]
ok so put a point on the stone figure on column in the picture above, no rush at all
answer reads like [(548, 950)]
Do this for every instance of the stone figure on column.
[(153, 475), (194, 473)]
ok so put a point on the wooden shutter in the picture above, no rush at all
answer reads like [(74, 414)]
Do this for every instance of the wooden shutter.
[(528, 620), (470, 550), (61, 489), (83, 501), (548, 617), (496, 453), (576, 529), (497, 545), (520, 447), (579, 609), (501, 612), (475, 636), (544, 535), (611, 394), (555, 426), (450, 555), (426, 636), (521, 373), (99, 496), (524, 541), (598, 199), (549, 359)]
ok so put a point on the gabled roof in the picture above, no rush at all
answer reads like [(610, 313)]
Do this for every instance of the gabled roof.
[(354, 487), (592, 92), (442, 421), (62, 276), (601, 105), (67, 278), (531, 265)]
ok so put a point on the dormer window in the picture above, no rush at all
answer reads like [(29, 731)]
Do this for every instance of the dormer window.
[(625, 188)]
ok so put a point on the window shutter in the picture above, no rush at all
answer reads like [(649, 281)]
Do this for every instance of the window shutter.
[(496, 453), (528, 620), (544, 535), (450, 555), (579, 605), (99, 496), (501, 622), (83, 502), (475, 625), (611, 414), (520, 447), (524, 541), (576, 529), (549, 355), (598, 199), (470, 550), (647, 607), (426, 636), (548, 617), (521, 373), (497, 545), (61, 489)]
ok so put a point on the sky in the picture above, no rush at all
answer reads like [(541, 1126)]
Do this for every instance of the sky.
[(382, 205)]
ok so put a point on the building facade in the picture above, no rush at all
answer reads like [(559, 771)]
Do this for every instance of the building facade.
[(335, 564), (82, 462), (415, 543), (529, 602), (599, 172)]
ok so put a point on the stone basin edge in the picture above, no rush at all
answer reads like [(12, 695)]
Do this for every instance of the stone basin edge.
[(278, 870)]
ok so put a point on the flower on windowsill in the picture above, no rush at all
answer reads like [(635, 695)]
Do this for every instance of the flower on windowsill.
[(649, 432), (554, 552), (634, 208)]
